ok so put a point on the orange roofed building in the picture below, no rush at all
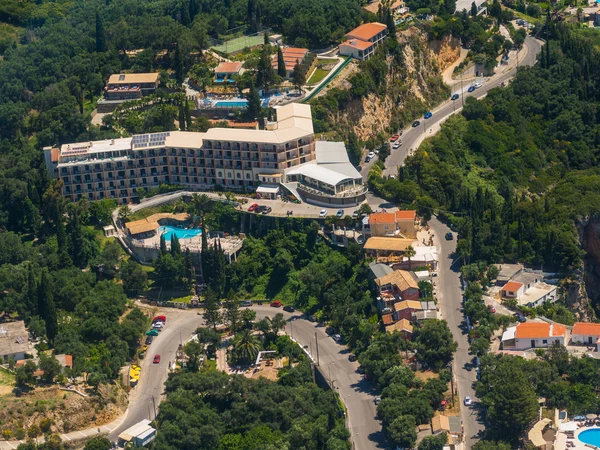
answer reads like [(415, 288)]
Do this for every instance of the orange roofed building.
[(535, 335), (402, 224), (363, 40), (586, 333)]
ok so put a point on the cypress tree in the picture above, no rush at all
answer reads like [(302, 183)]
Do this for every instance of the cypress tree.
[(175, 246), (254, 105), (181, 118), (280, 63), (184, 9), (46, 307), (179, 65), (188, 116), (100, 35), (163, 245)]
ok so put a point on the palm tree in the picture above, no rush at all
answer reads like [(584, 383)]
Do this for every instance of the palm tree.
[(200, 206), (245, 347), (409, 253)]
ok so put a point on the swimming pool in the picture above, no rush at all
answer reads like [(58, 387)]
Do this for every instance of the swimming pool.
[(591, 437), (181, 233), (239, 103)]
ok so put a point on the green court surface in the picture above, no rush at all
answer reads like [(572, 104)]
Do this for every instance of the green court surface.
[(237, 44)]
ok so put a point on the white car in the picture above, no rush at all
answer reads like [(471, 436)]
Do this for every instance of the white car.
[(477, 85), (158, 325), (371, 155), (323, 213), (468, 401), (397, 145), (377, 400)]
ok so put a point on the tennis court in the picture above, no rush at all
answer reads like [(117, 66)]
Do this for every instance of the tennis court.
[(237, 44)]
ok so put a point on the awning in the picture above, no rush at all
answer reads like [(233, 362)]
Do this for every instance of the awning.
[(267, 189)]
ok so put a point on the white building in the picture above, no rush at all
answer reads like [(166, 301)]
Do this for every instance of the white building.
[(585, 333), (533, 335), (363, 40), (14, 341), (529, 289)]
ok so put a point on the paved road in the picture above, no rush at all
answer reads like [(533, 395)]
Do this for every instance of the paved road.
[(450, 298), (412, 137), (357, 394)]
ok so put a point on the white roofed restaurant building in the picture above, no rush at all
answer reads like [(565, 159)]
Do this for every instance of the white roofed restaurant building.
[(139, 435), (330, 179), (232, 159)]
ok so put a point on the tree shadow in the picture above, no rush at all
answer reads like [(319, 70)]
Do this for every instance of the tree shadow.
[(378, 438), (366, 387)]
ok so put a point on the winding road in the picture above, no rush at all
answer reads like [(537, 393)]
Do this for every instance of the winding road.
[(356, 393)]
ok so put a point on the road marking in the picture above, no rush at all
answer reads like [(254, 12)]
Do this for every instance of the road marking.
[(66, 437), (12, 446), (84, 435), (109, 430)]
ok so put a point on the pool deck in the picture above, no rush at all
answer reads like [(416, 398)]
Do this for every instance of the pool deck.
[(561, 439)]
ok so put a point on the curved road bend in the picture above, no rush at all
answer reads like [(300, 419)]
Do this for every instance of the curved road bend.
[(412, 137), (356, 393)]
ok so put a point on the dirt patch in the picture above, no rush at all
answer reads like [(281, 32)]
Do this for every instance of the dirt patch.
[(56, 411), (425, 375)]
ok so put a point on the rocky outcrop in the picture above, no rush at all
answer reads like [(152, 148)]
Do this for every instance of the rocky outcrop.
[(583, 290)]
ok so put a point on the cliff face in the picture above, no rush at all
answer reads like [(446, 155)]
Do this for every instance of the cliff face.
[(409, 86), (584, 294)]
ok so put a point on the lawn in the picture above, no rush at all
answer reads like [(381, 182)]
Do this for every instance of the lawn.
[(318, 75)]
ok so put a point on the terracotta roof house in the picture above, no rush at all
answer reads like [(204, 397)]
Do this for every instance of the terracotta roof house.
[(586, 333), (400, 283), (538, 335), (291, 57), (225, 71), (401, 224), (403, 326), (363, 40), (406, 309)]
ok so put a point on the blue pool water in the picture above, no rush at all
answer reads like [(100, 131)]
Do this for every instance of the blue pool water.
[(181, 233), (239, 103), (591, 437)]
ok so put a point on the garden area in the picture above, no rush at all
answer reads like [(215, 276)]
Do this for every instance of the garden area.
[(322, 69)]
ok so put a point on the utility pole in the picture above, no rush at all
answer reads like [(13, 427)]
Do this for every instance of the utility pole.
[(154, 406), (317, 345), (451, 384)]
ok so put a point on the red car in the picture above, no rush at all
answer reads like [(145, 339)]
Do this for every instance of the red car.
[(253, 207), (156, 359), (276, 304), (159, 319), (492, 309), (394, 138)]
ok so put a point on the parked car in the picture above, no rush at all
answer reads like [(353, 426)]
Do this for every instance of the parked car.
[(158, 325), (152, 332), (253, 207), (454, 97), (371, 155), (337, 338), (416, 123), (149, 340), (477, 85), (397, 145), (267, 210), (156, 359), (428, 115), (259, 209), (276, 304), (352, 357), (367, 159), (340, 213), (449, 236), (330, 331), (492, 309), (323, 213), (377, 400), (394, 137), (468, 401), (471, 89), (355, 214), (289, 308), (246, 303), (520, 317), (159, 319)]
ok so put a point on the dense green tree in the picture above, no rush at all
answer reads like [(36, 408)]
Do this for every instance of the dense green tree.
[(24, 374), (281, 70), (435, 343), (51, 367), (97, 443), (402, 432), (212, 313), (133, 276), (254, 108), (298, 77)]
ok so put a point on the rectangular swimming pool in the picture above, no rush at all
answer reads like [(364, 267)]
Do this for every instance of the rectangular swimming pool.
[(168, 231)]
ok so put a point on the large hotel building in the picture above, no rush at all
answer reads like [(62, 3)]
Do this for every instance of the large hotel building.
[(283, 159)]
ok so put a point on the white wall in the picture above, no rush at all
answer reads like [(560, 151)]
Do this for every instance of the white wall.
[(584, 338), (524, 344)]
